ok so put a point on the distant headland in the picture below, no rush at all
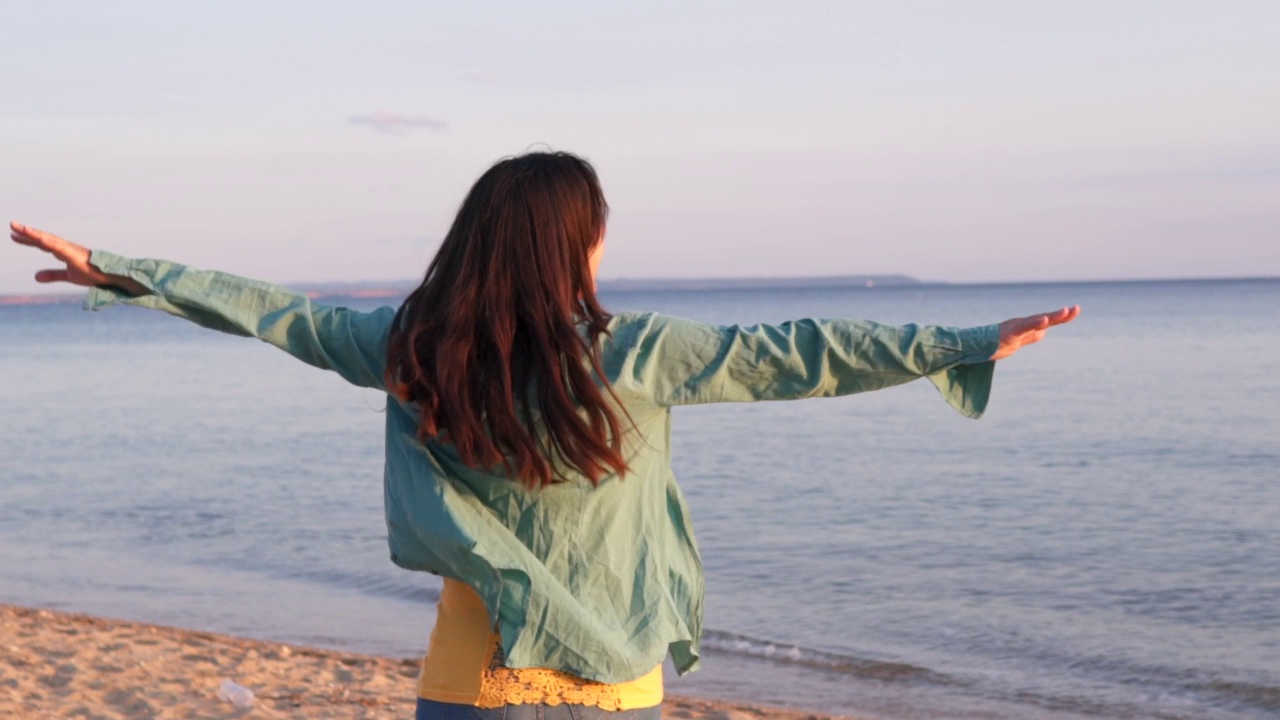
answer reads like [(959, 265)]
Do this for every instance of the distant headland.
[(757, 283)]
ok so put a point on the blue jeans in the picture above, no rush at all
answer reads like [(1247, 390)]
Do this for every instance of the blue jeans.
[(432, 710)]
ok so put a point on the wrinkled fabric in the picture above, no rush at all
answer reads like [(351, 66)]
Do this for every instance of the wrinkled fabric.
[(599, 582)]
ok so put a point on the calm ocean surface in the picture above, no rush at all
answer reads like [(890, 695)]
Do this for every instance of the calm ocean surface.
[(1104, 544)]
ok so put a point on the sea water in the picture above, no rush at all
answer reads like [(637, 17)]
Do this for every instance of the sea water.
[(1105, 543)]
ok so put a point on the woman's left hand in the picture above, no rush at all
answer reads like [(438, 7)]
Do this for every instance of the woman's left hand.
[(1019, 332)]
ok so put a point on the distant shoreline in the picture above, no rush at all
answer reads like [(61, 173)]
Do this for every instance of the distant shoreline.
[(756, 283), (399, 289)]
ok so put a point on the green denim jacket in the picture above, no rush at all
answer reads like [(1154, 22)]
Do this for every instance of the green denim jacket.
[(599, 582)]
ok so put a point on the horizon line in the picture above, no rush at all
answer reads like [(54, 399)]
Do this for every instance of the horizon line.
[(385, 288)]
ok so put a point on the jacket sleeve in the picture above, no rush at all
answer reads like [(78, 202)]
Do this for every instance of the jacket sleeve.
[(674, 361), (350, 343)]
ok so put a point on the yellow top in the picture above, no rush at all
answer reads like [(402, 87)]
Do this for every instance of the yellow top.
[(463, 665)]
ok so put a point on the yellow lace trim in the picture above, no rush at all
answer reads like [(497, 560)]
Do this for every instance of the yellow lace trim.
[(540, 685), (501, 685)]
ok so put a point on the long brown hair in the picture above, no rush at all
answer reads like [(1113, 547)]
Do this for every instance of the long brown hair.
[(495, 321)]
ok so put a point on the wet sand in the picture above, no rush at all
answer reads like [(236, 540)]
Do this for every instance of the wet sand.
[(64, 665)]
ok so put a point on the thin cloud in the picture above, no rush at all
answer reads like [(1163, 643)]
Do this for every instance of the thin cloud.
[(1261, 166), (397, 124)]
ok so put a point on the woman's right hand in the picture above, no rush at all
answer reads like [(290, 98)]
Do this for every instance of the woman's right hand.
[(1019, 332), (78, 270)]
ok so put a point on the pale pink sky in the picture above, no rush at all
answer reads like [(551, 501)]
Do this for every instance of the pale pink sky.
[(983, 141)]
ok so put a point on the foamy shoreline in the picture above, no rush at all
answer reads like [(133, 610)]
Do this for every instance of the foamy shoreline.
[(57, 664)]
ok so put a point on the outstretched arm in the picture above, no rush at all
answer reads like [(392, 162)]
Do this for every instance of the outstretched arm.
[(675, 361), (351, 343)]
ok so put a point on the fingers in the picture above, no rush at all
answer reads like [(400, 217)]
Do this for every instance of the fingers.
[(36, 238), (1035, 323), (48, 276), (25, 239), (73, 255), (28, 235), (1020, 332), (1030, 323), (1065, 315)]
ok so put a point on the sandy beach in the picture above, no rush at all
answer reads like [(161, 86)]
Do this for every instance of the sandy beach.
[(64, 665)]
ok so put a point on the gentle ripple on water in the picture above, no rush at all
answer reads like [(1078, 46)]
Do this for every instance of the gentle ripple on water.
[(1102, 544)]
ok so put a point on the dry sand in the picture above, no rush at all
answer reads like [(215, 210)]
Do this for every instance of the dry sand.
[(63, 665)]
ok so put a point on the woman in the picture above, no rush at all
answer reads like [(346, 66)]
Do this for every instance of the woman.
[(527, 431)]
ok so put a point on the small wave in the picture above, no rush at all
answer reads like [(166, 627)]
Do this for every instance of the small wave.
[(1265, 697), (370, 583), (733, 644), (381, 586)]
